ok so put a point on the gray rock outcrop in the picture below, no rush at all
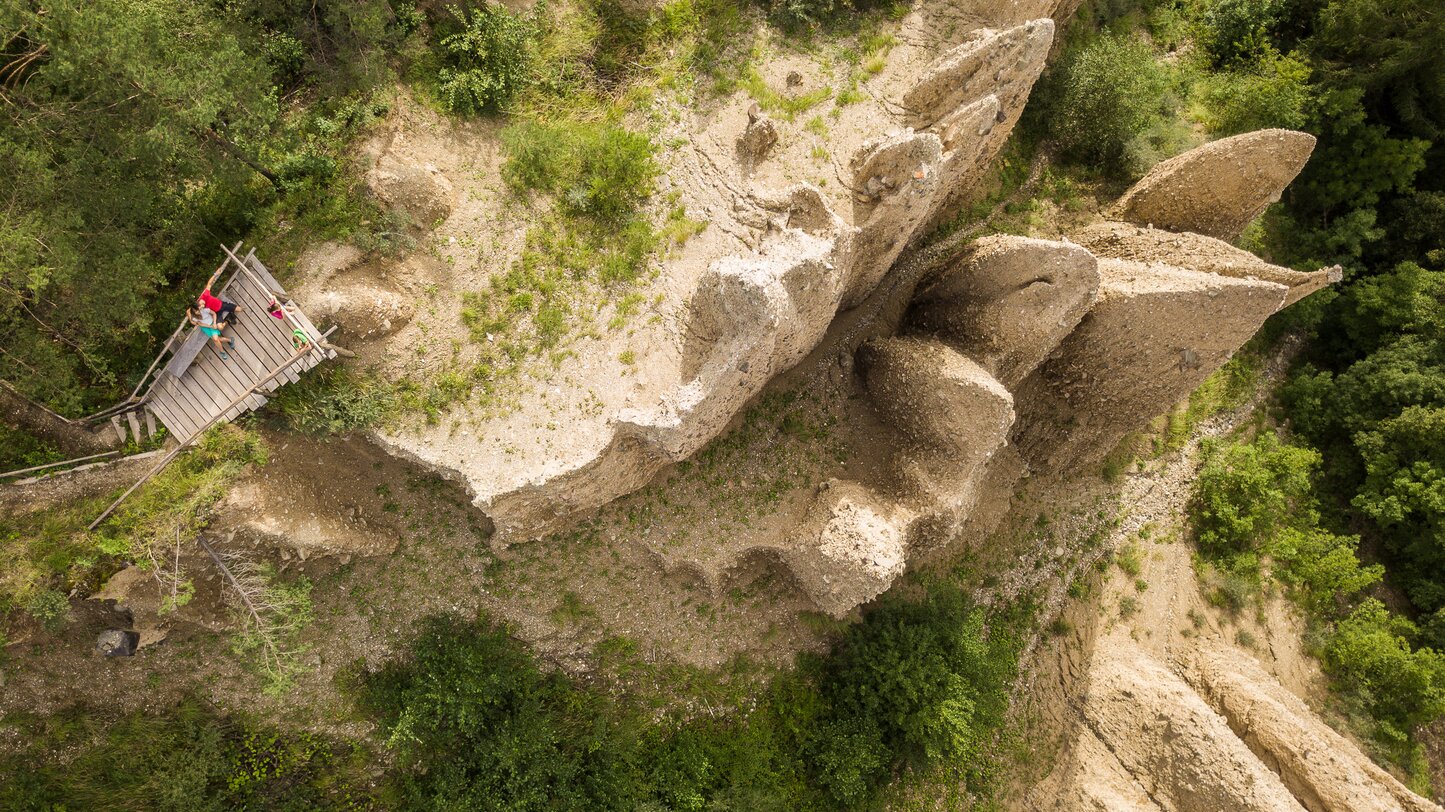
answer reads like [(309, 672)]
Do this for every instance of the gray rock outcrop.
[(753, 316), (1009, 301), (1156, 332), (1218, 188), (421, 191), (1200, 253)]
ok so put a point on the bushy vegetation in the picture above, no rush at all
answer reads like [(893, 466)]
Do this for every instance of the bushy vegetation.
[(585, 254), (1104, 101), (1373, 654), (1255, 519), (21, 449), (473, 722), (1272, 90), (1372, 398), (489, 61), (1254, 508), (598, 171), (185, 759), (479, 726)]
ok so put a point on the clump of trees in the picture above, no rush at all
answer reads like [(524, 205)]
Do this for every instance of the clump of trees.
[(1254, 509), (1255, 515), (1107, 104), (477, 724), (489, 60), (188, 758), (1373, 399)]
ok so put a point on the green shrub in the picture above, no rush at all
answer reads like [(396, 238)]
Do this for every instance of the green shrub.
[(489, 61), (1371, 656), (336, 400), (926, 676), (476, 724), (186, 759), (49, 606), (21, 449), (1233, 33), (1255, 501), (1246, 493), (1325, 568), (1407, 300), (1404, 493), (480, 727), (804, 13), (44, 554), (594, 170), (1102, 101), (1274, 91)]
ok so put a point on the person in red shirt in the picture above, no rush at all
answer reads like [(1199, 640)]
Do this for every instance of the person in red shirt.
[(224, 310)]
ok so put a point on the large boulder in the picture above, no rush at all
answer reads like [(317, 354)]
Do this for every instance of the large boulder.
[(1218, 188), (419, 190), (1008, 301), (1156, 332), (364, 311), (855, 547), (944, 404)]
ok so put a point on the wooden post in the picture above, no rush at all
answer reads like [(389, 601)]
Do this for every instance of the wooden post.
[(166, 460), (9, 474), (164, 349)]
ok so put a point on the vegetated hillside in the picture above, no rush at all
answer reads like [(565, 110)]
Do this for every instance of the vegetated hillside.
[(140, 158)]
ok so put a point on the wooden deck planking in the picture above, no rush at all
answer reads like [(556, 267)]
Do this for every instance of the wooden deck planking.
[(259, 299), (190, 411), (170, 391), (192, 346), (261, 341), (259, 268), (214, 386), (264, 340), (187, 401), (156, 410)]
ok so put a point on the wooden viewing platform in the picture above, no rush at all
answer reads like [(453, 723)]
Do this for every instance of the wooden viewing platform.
[(197, 388)]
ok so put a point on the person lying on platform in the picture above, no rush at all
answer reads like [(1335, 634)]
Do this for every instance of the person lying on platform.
[(225, 311), (205, 318)]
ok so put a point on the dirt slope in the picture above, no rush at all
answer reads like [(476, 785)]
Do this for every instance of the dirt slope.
[(1166, 703)]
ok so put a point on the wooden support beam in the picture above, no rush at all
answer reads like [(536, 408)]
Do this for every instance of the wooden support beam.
[(9, 474), (166, 460)]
